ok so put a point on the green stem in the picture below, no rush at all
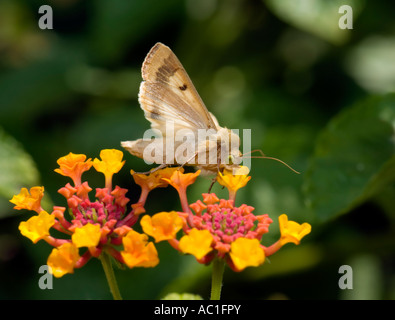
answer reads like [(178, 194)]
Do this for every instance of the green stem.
[(108, 270), (216, 279)]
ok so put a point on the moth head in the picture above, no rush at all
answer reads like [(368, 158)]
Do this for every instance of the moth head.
[(235, 157), (231, 159)]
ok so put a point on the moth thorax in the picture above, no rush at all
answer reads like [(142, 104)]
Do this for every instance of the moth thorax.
[(228, 143)]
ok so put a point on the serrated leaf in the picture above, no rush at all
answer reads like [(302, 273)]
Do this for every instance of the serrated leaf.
[(17, 170), (354, 158)]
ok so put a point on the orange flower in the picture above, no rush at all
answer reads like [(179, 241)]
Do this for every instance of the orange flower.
[(29, 201), (210, 198), (63, 259), (180, 180), (148, 181), (166, 173), (73, 165), (154, 179), (138, 252), (162, 226)]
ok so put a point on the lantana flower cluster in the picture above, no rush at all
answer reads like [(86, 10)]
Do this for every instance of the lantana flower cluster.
[(211, 229), (95, 226), (218, 229)]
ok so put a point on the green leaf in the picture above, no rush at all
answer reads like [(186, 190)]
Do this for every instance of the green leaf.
[(17, 170), (354, 158)]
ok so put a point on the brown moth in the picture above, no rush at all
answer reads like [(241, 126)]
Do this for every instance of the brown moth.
[(183, 131)]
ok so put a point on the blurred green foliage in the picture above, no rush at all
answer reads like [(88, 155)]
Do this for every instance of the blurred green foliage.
[(316, 96)]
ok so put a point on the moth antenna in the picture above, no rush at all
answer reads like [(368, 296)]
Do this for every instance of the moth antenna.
[(262, 156), (256, 150)]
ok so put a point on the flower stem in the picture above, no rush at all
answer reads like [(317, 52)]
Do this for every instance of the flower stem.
[(108, 270), (216, 279)]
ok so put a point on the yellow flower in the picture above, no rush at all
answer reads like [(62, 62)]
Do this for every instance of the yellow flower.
[(162, 226), (139, 253), (197, 243), (233, 180), (29, 201), (246, 253), (292, 231), (111, 161), (63, 259), (87, 236), (37, 227), (73, 165)]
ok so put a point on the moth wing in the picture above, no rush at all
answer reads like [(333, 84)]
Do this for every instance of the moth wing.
[(215, 121), (152, 150), (136, 147), (167, 94)]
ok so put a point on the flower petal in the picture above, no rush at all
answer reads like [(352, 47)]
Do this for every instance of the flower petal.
[(163, 225), (181, 180), (29, 201), (246, 253), (37, 227), (63, 259), (87, 236), (73, 165), (233, 181), (292, 231), (111, 162), (210, 198), (138, 252), (197, 243)]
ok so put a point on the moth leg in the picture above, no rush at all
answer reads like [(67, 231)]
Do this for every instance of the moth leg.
[(188, 161), (212, 184), (215, 179), (163, 165)]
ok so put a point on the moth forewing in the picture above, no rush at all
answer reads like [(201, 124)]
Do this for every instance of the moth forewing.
[(190, 134), (168, 85)]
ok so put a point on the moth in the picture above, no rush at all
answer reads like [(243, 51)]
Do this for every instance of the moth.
[(183, 131)]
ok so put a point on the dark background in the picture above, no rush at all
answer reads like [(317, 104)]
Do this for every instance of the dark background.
[(314, 95)]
